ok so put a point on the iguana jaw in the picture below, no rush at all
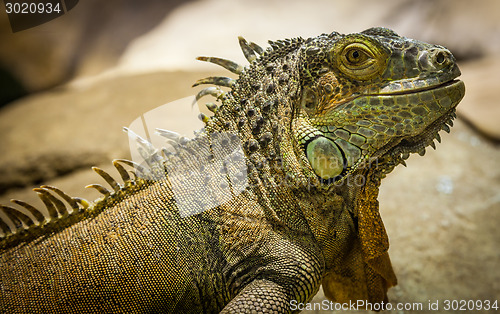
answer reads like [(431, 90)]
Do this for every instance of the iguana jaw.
[(399, 149), (417, 143)]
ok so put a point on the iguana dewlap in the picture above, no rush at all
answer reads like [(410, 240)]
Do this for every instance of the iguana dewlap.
[(274, 197)]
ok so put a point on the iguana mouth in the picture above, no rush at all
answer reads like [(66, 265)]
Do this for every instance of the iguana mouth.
[(400, 148), (420, 89)]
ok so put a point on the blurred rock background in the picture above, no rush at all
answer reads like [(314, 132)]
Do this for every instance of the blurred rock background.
[(68, 86)]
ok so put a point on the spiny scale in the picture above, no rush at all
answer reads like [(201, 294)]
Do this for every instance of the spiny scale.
[(139, 169), (70, 200), (35, 212), (121, 170), (279, 43), (227, 64), (212, 91), (437, 137), (109, 179), (144, 144), (258, 49), (212, 107), (17, 216), (101, 189), (172, 136), (59, 205), (248, 52), (42, 194), (150, 155), (216, 80), (203, 117), (56, 208)]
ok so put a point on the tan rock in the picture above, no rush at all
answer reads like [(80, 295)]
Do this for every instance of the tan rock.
[(481, 105), (84, 41), (62, 130)]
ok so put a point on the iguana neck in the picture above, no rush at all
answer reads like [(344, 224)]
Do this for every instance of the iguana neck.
[(260, 113)]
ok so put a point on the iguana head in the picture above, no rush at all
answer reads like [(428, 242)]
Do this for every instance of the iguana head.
[(372, 94)]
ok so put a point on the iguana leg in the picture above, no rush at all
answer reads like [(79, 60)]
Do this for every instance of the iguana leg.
[(261, 296), (283, 274)]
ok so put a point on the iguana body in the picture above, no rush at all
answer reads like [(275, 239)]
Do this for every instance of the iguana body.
[(316, 124)]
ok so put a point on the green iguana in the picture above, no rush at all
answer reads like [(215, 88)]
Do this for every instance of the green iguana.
[(275, 196)]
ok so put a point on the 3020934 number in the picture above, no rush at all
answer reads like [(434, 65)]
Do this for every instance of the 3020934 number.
[(470, 305), (32, 8)]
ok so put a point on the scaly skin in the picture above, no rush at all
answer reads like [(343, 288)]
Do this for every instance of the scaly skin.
[(315, 123)]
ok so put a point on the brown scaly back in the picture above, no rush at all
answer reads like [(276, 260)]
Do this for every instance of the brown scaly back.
[(26, 222)]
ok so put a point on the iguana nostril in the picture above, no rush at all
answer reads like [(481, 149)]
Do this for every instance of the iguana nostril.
[(435, 59)]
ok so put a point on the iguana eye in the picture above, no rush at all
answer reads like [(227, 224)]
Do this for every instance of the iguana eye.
[(359, 58), (355, 56)]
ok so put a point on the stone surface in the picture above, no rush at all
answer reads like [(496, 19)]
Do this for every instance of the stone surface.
[(481, 106), (83, 124), (84, 41)]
